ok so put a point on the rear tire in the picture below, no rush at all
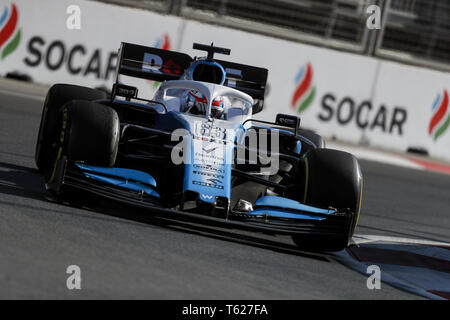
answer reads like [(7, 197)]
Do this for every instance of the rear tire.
[(332, 179), (57, 96), (86, 131)]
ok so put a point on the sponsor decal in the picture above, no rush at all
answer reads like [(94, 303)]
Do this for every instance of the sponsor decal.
[(210, 185), (209, 150), (346, 110), (205, 129), (305, 90), (205, 196), (208, 167), (440, 119), (77, 59), (207, 174), (10, 33), (214, 180), (364, 114)]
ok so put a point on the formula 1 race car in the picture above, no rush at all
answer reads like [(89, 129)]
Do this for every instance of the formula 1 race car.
[(194, 152)]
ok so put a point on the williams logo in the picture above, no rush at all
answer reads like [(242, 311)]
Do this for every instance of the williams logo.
[(305, 91), (10, 33), (441, 118)]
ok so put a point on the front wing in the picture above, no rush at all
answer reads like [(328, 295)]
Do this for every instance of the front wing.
[(339, 223)]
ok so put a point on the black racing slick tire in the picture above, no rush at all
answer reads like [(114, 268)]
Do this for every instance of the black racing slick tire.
[(333, 178), (57, 96), (86, 131)]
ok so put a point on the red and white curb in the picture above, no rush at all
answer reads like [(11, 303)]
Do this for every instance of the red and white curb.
[(405, 160), (417, 266), (430, 165)]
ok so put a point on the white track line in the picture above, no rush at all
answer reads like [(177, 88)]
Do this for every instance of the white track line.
[(360, 238)]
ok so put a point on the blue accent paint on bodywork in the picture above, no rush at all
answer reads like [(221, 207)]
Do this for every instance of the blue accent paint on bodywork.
[(123, 173), (298, 147), (122, 177), (283, 214), (208, 158), (135, 186), (284, 203), (208, 167), (239, 134), (287, 208)]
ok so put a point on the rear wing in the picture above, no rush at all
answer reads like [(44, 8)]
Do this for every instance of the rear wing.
[(161, 65), (248, 79), (151, 63)]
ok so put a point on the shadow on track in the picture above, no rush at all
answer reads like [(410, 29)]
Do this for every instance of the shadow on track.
[(21, 181), (140, 215), (27, 182)]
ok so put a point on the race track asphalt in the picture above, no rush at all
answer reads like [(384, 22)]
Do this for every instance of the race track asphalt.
[(124, 254)]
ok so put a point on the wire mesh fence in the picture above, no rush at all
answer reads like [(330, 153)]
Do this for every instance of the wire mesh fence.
[(417, 31), (413, 31), (325, 22)]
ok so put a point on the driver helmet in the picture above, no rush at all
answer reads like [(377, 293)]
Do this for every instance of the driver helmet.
[(217, 107)]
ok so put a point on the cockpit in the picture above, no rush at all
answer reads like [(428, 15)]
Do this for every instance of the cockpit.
[(210, 100)]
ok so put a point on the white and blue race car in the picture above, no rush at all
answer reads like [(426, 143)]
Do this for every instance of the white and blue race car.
[(194, 152)]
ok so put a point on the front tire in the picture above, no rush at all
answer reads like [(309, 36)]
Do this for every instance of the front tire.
[(332, 179), (57, 96), (86, 131)]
